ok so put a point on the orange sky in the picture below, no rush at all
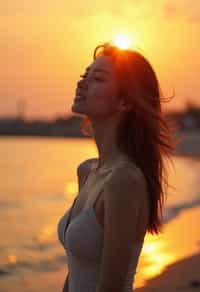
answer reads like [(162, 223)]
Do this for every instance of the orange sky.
[(46, 45)]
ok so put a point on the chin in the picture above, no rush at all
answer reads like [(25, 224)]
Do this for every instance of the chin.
[(76, 109)]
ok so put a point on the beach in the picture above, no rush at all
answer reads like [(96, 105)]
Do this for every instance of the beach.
[(42, 188), (183, 274)]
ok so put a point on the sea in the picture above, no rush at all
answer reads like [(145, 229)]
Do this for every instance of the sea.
[(38, 184)]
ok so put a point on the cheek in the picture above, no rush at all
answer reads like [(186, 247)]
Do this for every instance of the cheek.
[(103, 93), (102, 98), (102, 105)]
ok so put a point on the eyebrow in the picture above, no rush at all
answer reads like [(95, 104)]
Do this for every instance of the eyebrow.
[(98, 69)]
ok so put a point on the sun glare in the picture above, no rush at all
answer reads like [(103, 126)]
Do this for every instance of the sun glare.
[(122, 41)]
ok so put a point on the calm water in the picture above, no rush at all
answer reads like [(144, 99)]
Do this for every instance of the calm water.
[(39, 182)]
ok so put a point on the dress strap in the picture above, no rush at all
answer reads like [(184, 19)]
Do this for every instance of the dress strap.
[(71, 208), (101, 189), (86, 178)]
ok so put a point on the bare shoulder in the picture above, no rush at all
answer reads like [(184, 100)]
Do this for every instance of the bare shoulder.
[(127, 183), (127, 175), (83, 170), (85, 166)]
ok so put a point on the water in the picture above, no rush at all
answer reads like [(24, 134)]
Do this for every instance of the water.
[(39, 182)]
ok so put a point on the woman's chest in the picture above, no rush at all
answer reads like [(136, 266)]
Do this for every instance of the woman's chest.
[(87, 196)]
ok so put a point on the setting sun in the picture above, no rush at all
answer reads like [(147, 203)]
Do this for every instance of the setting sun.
[(122, 41)]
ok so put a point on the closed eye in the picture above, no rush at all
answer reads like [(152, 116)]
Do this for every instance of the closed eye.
[(96, 78), (99, 79)]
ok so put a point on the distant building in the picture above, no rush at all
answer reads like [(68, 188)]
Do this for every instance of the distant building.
[(189, 122)]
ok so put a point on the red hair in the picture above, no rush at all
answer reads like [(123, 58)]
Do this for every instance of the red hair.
[(144, 134)]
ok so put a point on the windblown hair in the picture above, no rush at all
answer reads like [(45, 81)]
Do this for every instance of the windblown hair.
[(145, 135)]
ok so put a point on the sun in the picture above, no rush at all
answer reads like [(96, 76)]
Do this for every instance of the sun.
[(122, 41)]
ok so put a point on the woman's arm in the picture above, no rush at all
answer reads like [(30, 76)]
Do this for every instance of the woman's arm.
[(65, 288), (124, 196)]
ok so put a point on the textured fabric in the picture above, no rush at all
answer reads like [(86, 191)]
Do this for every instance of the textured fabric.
[(82, 239)]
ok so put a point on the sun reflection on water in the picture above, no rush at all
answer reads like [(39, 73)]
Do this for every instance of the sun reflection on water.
[(70, 189), (154, 258)]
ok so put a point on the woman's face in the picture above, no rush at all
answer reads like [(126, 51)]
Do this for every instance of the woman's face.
[(98, 90)]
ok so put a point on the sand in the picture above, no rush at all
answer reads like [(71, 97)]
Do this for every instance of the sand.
[(184, 275)]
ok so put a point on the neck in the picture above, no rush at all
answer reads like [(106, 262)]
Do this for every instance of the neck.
[(106, 141)]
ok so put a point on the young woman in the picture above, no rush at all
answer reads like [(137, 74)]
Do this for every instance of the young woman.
[(121, 193)]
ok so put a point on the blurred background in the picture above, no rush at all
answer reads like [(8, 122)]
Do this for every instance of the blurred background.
[(45, 46)]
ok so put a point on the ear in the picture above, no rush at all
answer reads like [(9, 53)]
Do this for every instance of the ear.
[(123, 105)]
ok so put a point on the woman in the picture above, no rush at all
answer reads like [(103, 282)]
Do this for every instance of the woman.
[(120, 194)]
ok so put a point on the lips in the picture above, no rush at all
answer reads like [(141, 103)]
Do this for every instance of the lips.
[(79, 95), (79, 98)]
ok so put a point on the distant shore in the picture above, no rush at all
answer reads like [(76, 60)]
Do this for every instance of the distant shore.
[(183, 275), (190, 144)]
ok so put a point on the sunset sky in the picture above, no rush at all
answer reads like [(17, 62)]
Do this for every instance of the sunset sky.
[(47, 44)]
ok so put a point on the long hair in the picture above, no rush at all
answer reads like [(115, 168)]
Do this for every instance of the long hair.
[(144, 134)]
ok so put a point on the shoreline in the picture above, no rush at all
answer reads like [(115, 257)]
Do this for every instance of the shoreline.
[(190, 144), (183, 274)]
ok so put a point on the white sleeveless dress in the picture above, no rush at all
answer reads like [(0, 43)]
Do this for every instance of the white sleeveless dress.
[(82, 239)]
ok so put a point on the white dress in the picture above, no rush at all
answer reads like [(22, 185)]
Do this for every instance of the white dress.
[(82, 239)]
